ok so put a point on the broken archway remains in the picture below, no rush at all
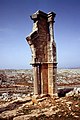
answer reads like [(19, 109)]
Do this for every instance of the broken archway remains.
[(43, 47)]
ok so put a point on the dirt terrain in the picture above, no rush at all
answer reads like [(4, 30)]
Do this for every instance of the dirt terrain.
[(18, 103), (42, 108)]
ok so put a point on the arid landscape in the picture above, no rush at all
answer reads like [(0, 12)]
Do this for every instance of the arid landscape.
[(18, 103), (47, 32)]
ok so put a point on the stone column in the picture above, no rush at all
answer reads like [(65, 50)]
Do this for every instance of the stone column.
[(44, 79), (50, 21), (39, 79), (52, 69), (52, 86), (35, 75), (54, 78), (50, 79)]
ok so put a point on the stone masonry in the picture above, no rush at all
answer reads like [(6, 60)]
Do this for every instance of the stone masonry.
[(43, 47)]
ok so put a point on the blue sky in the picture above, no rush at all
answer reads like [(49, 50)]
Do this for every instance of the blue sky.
[(15, 25)]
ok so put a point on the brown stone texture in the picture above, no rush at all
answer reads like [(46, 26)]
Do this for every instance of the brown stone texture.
[(43, 47)]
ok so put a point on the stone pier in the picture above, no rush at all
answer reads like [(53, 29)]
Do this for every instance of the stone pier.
[(43, 47)]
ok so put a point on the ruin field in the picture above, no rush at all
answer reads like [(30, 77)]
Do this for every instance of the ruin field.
[(18, 103), (21, 81), (68, 77)]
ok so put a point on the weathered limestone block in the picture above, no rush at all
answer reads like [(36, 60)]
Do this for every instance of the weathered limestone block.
[(43, 47)]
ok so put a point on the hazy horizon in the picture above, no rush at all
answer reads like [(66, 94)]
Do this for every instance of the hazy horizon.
[(31, 68)]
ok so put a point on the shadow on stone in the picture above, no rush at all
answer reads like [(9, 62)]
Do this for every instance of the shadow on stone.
[(62, 92)]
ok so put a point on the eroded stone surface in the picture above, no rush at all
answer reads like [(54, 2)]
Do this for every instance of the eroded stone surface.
[(44, 107), (43, 48)]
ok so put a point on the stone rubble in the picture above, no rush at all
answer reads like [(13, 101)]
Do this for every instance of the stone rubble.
[(14, 105), (42, 107)]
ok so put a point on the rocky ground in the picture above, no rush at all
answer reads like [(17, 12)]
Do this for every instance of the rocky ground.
[(42, 108), (68, 77), (18, 103)]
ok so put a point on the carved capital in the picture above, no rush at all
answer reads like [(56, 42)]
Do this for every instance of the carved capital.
[(51, 16)]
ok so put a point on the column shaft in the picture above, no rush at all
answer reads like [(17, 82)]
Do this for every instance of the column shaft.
[(35, 75)]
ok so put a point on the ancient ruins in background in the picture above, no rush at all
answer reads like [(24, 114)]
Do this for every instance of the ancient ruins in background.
[(43, 47)]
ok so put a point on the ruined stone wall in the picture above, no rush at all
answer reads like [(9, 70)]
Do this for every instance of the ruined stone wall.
[(43, 47), (40, 43)]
